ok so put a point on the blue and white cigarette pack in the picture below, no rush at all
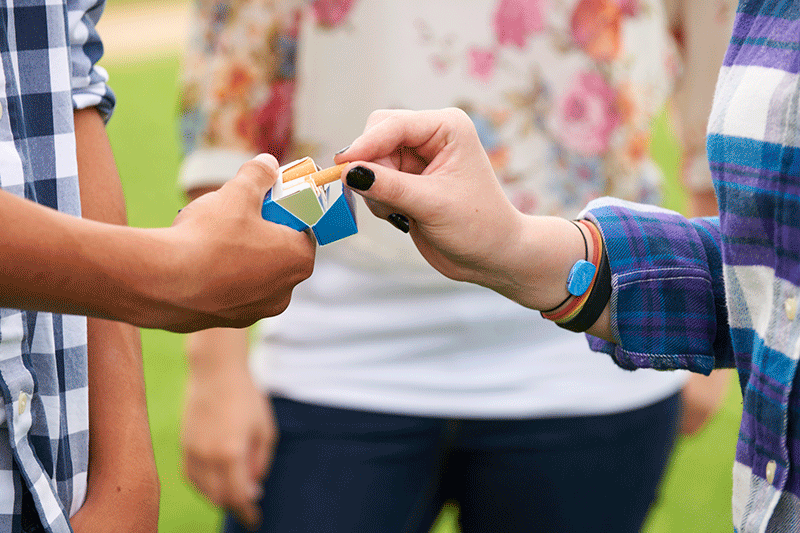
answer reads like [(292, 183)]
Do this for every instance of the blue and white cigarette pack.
[(299, 203)]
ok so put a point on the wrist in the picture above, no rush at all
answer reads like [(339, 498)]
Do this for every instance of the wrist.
[(112, 503), (218, 355), (535, 266), (218, 372), (142, 273)]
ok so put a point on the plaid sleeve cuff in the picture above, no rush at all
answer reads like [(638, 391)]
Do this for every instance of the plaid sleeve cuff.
[(667, 302), (89, 81)]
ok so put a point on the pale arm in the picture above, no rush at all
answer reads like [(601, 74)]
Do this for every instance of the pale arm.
[(461, 221), (429, 166), (702, 31), (229, 431)]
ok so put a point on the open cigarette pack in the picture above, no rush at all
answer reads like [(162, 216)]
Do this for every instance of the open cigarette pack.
[(307, 197)]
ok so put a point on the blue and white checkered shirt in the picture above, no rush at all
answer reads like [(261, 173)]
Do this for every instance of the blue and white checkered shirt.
[(48, 50)]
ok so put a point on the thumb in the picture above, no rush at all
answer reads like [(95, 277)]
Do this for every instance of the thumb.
[(392, 191), (261, 454), (254, 178), (245, 495)]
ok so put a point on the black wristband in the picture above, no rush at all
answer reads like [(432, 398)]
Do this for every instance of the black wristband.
[(596, 301)]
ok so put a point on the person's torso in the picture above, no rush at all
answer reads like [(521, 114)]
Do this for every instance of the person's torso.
[(43, 376), (563, 96), (754, 150)]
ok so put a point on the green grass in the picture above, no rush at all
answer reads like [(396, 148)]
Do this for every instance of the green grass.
[(144, 138), (696, 494)]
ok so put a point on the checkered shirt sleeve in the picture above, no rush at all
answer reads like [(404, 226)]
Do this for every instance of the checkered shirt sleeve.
[(668, 300), (89, 80)]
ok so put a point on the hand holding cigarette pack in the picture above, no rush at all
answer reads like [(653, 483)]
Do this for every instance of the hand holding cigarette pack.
[(307, 197)]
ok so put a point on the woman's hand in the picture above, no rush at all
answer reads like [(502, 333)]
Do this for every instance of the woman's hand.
[(229, 432), (430, 167)]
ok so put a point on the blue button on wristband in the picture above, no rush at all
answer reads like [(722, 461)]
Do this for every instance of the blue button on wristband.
[(572, 274), (580, 277)]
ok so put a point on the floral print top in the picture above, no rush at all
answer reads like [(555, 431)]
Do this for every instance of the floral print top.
[(562, 92)]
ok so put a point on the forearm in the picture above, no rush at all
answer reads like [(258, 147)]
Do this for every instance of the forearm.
[(703, 30), (217, 354), (667, 305), (55, 262), (229, 431), (123, 486), (122, 472)]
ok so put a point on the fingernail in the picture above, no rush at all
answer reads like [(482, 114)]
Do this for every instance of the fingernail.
[(360, 178), (343, 150), (399, 221)]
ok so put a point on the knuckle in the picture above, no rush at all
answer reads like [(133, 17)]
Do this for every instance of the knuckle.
[(305, 268), (257, 169), (215, 496), (279, 306), (456, 113), (378, 115), (216, 455), (242, 322), (253, 165), (300, 269), (271, 439), (227, 456)]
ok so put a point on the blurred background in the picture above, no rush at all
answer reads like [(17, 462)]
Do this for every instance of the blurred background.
[(143, 41)]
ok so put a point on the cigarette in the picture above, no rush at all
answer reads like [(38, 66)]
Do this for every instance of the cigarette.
[(325, 176), (303, 168)]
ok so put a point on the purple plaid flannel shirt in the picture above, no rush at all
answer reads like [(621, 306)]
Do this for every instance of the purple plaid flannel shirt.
[(724, 292)]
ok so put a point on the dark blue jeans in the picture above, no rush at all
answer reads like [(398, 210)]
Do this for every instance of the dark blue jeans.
[(342, 471)]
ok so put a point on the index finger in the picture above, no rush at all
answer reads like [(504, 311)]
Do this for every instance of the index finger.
[(427, 132)]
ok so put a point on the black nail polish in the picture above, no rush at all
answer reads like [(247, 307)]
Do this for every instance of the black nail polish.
[(360, 178), (343, 150), (399, 221)]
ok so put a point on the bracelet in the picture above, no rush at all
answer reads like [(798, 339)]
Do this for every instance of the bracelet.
[(578, 280), (575, 306), (598, 297)]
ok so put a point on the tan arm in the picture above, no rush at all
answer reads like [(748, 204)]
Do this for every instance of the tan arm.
[(123, 488)]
